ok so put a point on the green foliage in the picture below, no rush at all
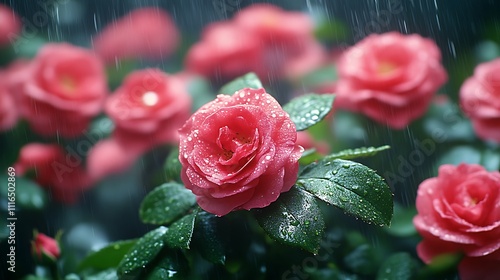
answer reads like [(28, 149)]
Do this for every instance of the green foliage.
[(399, 266), (351, 186), (293, 219), (107, 257), (166, 204), (249, 80), (307, 110)]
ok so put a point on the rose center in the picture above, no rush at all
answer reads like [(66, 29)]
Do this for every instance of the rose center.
[(385, 68), (150, 98), (68, 83), (233, 143)]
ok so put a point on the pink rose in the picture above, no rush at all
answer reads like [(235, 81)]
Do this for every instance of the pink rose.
[(143, 33), (55, 170), (391, 77), (480, 100), (224, 51), (147, 109), (239, 152), (261, 38), (43, 245), (61, 90), (8, 111), (10, 25), (459, 212)]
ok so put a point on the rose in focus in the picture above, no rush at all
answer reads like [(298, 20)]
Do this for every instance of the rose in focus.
[(391, 77), (459, 212), (239, 152), (480, 100), (61, 90)]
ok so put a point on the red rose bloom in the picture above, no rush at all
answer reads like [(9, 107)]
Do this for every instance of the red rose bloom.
[(459, 212), (43, 245), (9, 25), (147, 109), (143, 33), (480, 100), (61, 90), (391, 78), (60, 173), (239, 152)]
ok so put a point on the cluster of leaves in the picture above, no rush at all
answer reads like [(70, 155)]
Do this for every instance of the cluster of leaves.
[(186, 234)]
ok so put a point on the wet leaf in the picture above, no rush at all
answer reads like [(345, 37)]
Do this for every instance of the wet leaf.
[(207, 239), (142, 253), (307, 110), (166, 204), (107, 257), (399, 266), (28, 195), (293, 219), (352, 187), (357, 153), (173, 166), (180, 232), (249, 80), (109, 274), (172, 265)]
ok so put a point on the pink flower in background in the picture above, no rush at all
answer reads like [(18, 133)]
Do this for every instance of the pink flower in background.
[(224, 51), (459, 212), (391, 77), (480, 100), (43, 245), (261, 38), (60, 173), (10, 25), (147, 110), (239, 152), (61, 90), (8, 111), (143, 33)]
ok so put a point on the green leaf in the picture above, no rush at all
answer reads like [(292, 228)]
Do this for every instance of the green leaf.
[(399, 266), (319, 76), (180, 232), (207, 239), (362, 260), (201, 92), (307, 110), (357, 153), (293, 219), (166, 204), (249, 80), (173, 166), (142, 253), (28, 195), (351, 186), (107, 257), (171, 266)]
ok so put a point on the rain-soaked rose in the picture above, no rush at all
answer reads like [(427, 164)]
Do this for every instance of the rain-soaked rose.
[(480, 100), (143, 33), (239, 152), (61, 90), (390, 77), (459, 212)]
